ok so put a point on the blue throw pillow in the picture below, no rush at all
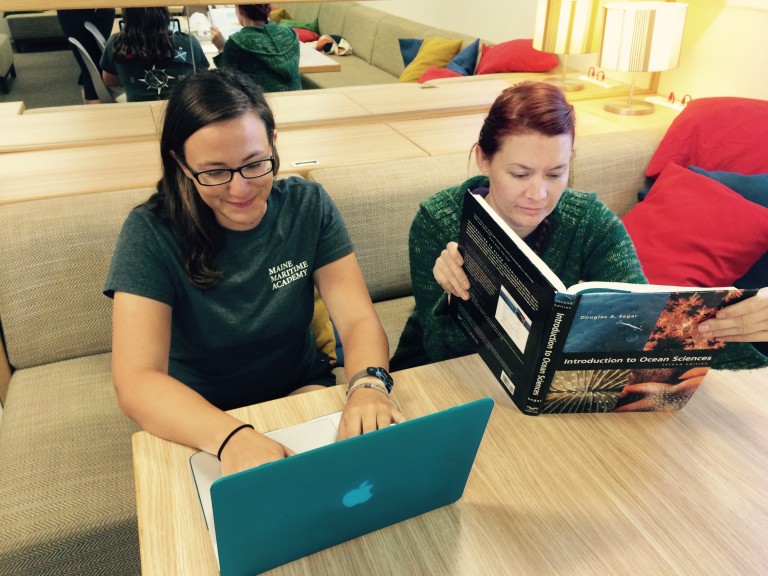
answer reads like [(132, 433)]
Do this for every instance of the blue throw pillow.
[(409, 47), (755, 189), (465, 61)]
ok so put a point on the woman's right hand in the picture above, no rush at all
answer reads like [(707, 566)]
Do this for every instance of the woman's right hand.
[(248, 449), (449, 272), (217, 39)]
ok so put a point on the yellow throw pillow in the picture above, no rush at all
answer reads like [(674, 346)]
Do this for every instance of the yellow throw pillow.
[(433, 52), (325, 339), (277, 15)]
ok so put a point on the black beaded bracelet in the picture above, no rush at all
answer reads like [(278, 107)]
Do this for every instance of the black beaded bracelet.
[(229, 436)]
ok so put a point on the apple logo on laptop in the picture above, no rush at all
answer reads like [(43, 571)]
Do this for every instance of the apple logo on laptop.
[(359, 495)]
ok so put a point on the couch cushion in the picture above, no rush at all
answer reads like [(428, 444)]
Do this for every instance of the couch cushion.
[(386, 47), (332, 15), (433, 52), (381, 243), (54, 257), (361, 25), (354, 72), (66, 473), (612, 165), (719, 133), (693, 231), (514, 56)]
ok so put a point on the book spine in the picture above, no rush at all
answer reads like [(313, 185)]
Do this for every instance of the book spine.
[(561, 318)]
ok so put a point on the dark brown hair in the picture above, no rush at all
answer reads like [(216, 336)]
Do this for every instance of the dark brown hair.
[(145, 36), (256, 12), (203, 98)]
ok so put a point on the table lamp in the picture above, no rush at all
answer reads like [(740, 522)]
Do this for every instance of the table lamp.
[(640, 37), (566, 27)]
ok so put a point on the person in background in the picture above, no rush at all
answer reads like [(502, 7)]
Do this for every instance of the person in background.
[(213, 283), (265, 51), (524, 152), (147, 58), (73, 25)]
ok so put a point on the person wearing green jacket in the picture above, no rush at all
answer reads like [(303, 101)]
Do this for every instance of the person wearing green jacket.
[(524, 152), (268, 53)]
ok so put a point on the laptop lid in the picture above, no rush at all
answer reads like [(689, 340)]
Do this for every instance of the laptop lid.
[(281, 511)]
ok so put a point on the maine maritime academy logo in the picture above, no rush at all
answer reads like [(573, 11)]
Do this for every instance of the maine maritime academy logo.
[(287, 272), (359, 495)]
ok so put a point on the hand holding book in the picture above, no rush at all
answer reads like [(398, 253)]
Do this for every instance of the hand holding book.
[(449, 272), (745, 321)]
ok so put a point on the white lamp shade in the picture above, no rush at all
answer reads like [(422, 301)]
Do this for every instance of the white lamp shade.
[(642, 36), (565, 26)]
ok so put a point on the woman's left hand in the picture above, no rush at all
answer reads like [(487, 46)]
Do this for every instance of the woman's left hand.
[(367, 410), (746, 321)]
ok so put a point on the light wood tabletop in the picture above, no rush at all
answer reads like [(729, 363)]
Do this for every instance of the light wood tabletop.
[(78, 170), (77, 126), (123, 166), (408, 100), (11, 108), (307, 149), (645, 493), (310, 59)]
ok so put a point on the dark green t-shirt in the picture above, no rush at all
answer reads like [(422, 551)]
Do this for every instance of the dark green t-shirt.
[(247, 339)]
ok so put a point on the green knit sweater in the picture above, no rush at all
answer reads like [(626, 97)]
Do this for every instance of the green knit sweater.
[(268, 53), (588, 242)]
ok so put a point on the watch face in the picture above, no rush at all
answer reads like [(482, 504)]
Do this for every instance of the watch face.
[(382, 375)]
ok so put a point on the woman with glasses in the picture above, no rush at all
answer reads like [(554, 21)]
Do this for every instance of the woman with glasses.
[(213, 280)]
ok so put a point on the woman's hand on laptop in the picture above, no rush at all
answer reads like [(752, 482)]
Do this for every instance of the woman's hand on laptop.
[(248, 449), (367, 410)]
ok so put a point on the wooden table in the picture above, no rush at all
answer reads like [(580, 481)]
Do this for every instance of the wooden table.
[(310, 60), (77, 170), (78, 126), (409, 100), (661, 493)]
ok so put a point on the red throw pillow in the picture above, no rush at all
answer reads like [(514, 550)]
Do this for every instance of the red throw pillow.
[(693, 231), (306, 35), (722, 133), (433, 72), (515, 56)]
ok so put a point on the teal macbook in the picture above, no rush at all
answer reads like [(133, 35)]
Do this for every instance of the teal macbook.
[(282, 511)]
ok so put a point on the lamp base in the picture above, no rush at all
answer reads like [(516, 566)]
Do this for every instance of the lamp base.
[(631, 108), (565, 84)]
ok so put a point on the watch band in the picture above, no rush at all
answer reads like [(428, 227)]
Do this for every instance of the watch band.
[(374, 386), (376, 372)]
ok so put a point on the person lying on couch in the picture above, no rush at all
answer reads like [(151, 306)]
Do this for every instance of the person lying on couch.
[(213, 283)]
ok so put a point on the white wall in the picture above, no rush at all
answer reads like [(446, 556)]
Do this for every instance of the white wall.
[(724, 52), (492, 20)]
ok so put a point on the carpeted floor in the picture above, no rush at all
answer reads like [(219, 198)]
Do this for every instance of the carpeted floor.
[(45, 78)]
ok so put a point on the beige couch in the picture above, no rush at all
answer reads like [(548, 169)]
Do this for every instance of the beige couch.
[(373, 35), (29, 27), (66, 483)]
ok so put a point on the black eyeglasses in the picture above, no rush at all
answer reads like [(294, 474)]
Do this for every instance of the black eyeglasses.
[(219, 176)]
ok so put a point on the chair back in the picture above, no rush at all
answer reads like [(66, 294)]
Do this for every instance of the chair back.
[(98, 36), (105, 96)]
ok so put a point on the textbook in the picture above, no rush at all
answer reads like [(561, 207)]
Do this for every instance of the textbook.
[(593, 347)]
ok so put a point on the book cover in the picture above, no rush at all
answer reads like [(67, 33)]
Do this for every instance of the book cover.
[(592, 347)]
